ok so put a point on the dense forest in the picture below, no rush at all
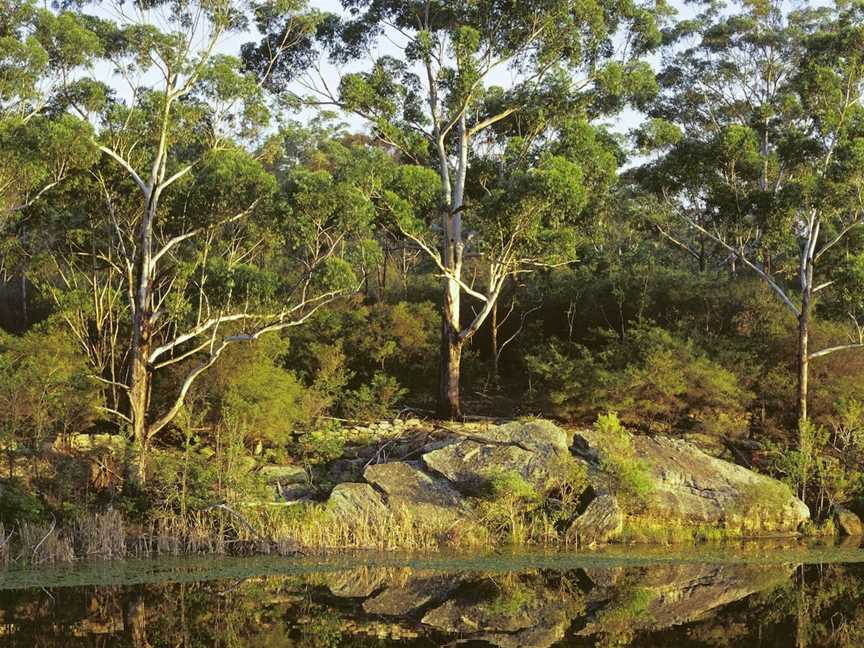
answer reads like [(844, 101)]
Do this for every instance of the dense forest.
[(231, 230)]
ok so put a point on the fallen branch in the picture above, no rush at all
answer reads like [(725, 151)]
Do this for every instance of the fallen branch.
[(242, 519), (45, 537)]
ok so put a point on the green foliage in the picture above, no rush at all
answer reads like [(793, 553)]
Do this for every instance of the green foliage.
[(325, 442), (509, 502), (655, 380), (630, 474), (18, 503), (258, 395), (373, 400), (182, 480), (761, 506), (567, 483), (517, 511), (46, 390), (824, 470)]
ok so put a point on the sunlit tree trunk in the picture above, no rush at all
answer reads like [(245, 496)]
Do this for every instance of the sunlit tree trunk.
[(493, 344), (803, 361), (449, 401)]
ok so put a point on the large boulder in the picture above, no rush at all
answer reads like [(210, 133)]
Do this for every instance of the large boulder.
[(532, 449), (601, 522), (536, 436), (847, 522), (287, 474), (406, 486), (687, 486), (467, 464), (353, 499)]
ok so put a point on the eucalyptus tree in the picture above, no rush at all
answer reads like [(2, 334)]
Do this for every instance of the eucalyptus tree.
[(434, 101), (189, 234), (760, 121), (39, 145)]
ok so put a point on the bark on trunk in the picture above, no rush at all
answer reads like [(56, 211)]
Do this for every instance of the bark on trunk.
[(140, 376), (494, 343), (139, 400), (804, 335), (803, 363), (450, 402), (804, 355)]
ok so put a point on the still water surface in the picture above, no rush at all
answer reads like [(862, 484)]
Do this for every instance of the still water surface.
[(776, 594)]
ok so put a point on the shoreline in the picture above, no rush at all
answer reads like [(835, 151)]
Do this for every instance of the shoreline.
[(137, 570)]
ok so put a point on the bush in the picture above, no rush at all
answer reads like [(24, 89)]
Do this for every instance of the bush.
[(631, 476), (374, 400), (567, 483), (323, 443), (657, 383), (508, 503), (18, 503), (819, 472), (514, 509), (45, 391)]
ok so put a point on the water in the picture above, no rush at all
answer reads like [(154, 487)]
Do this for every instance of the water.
[(774, 594)]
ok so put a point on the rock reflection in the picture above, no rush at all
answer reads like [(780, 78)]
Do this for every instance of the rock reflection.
[(659, 605)]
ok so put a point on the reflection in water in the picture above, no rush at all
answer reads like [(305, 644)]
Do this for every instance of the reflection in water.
[(660, 605)]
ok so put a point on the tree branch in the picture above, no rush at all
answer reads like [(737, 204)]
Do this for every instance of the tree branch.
[(491, 120), (750, 264), (138, 181), (840, 347)]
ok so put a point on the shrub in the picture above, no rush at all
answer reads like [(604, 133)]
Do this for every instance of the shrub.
[(761, 506), (657, 382), (565, 486), (508, 503), (18, 503), (814, 470), (631, 475), (325, 442), (373, 400), (45, 390)]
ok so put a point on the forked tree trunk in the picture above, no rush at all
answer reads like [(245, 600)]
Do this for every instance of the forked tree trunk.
[(449, 402), (141, 378)]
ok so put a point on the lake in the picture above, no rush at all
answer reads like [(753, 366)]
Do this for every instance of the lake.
[(779, 593)]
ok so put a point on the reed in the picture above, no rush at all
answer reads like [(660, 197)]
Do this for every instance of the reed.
[(319, 528), (645, 530), (5, 543), (40, 544), (101, 535)]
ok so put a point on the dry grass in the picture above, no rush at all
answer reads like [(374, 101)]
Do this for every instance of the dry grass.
[(101, 535), (5, 545), (318, 528), (40, 543)]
